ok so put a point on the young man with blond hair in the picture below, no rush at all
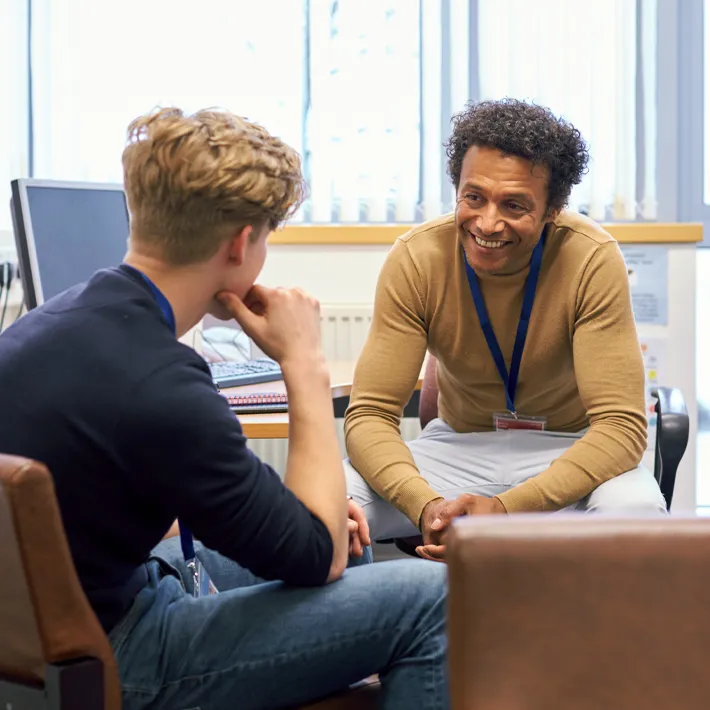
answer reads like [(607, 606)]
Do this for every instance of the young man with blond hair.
[(136, 435)]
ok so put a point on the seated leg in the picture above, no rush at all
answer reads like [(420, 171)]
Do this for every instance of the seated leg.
[(485, 464), (490, 463), (271, 646), (635, 491), (224, 573)]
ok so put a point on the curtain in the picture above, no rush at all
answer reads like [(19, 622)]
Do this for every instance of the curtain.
[(14, 154), (579, 58)]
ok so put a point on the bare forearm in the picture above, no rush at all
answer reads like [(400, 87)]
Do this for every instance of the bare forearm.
[(314, 470)]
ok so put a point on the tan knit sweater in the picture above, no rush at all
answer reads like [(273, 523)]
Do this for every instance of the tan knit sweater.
[(582, 364)]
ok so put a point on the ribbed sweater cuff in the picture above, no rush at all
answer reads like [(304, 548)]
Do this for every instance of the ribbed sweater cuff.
[(413, 496), (522, 499)]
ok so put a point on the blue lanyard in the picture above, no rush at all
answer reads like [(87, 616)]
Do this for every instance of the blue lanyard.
[(186, 540), (509, 380)]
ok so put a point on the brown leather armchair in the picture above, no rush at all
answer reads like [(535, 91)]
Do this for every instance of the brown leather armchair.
[(582, 612), (53, 652)]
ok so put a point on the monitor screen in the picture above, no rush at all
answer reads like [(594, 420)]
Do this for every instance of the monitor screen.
[(73, 231)]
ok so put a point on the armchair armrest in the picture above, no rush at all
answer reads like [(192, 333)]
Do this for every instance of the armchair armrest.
[(672, 432)]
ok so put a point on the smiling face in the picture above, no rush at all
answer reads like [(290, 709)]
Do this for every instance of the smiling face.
[(501, 209)]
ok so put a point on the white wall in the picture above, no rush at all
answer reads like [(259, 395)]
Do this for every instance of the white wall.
[(7, 245), (333, 274), (680, 366)]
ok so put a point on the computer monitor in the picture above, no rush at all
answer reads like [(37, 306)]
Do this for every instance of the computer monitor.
[(64, 232)]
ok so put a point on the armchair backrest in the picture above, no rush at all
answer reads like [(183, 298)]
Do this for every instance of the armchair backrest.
[(44, 614), (550, 610)]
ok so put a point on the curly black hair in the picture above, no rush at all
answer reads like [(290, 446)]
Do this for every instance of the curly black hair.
[(529, 131)]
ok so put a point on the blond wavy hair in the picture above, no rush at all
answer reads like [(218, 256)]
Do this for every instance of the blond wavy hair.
[(193, 180)]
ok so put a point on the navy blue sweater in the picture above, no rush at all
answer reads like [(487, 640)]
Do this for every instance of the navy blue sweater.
[(129, 423)]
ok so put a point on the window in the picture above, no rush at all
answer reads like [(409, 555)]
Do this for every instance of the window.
[(337, 79), (364, 89), (363, 117), (686, 113), (589, 61), (97, 65)]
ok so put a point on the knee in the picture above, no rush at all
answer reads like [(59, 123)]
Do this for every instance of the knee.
[(424, 600), (423, 583), (630, 493)]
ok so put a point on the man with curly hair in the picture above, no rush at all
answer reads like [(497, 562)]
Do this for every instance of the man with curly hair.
[(535, 384), (136, 435)]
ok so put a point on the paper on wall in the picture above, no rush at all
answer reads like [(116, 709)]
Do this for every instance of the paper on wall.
[(647, 267)]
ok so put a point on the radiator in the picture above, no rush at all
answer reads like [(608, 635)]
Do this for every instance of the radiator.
[(344, 329)]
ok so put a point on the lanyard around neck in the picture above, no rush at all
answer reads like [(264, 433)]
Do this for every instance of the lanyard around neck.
[(510, 380), (186, 539)]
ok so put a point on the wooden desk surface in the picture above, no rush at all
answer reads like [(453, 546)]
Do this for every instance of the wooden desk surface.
[(275, 426)]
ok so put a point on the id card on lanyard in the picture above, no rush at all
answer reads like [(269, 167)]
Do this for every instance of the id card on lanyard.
[(511, 419), (201, 582)]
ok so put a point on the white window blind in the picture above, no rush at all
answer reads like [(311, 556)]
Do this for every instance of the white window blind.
[(363, 116), (98, 65), (340, 80), (364, 89), (579, 58)]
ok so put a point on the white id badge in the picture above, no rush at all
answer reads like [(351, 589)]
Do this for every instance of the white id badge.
[(506, 421), (201, 583)]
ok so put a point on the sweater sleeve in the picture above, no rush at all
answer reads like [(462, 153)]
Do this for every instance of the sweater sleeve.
[(610, 377), (189, 459), (384, 381)]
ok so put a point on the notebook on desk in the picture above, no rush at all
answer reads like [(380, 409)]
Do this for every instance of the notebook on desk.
[(257, 403)]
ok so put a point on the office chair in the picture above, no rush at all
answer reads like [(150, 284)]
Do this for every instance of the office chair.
[(54, 655), (672, 432)]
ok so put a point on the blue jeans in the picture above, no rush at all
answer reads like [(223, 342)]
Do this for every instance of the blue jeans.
[(265, 645)]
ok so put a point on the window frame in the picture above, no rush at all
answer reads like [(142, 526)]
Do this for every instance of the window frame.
[(681, 176)]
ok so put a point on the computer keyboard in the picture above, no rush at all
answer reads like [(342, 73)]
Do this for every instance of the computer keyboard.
[(235, 374)]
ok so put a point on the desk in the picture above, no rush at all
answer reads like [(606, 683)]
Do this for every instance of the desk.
[(275, 426)]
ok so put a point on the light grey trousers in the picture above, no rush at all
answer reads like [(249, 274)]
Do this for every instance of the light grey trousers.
[(490, 463)]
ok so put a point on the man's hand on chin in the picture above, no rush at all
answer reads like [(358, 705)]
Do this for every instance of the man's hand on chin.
[(438, 515)]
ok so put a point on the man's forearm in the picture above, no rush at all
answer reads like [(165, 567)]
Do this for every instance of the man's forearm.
[(605, 451), (314, 471), (379, 454)]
